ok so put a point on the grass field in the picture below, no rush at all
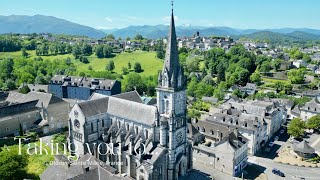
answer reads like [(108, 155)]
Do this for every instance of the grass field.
[(270, 80), (148, 60)]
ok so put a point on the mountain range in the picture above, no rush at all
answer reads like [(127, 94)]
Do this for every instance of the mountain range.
[(49, 24)]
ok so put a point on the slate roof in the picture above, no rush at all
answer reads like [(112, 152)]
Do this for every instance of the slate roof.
[(43, 98), (97, 170), (94, 107), (116, 106), (303, 147), (130, 96)]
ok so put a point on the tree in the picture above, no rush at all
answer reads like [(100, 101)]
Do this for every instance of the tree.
[(138, 37), (296, 76), (110, 66), (276, 64), (107, 51), (24, 90), (76, 51), (125, 70), (99, 51), (160, 50), (86, 49), (256, 78), (137, 67), (20, 130), (84, 60), (13, 165), (10, 84), (314, 122), (220, 72), (296, 127), (110, 37), (134, 81), (24, 53), (129, 65)]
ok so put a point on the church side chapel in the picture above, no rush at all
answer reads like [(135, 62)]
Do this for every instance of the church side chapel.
[(152, 139)]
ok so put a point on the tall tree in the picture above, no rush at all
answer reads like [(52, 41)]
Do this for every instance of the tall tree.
[(296, 127)]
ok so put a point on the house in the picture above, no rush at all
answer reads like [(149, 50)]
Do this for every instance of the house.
[(74, 87), (299, 63), (35, 110), (228, 155), (312, 67), (211, 100), (218, 125), (310, 109), (249, 89), (51, 112)]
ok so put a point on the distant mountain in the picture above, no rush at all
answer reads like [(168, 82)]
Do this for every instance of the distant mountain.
[(281, 38), (45, 24)]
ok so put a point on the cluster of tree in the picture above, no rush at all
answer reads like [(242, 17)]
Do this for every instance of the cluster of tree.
[(81, 49), (295, 53), (297, 126), (15, 72), (10, 44), (143, 85), (296, 76), (103, 51), (53, 48)]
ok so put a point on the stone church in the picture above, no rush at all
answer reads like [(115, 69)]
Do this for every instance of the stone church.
[(133, 127)]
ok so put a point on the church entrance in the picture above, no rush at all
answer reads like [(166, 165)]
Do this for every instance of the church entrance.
[(181, 166)]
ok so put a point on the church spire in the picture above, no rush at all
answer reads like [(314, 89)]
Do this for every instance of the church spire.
[(172, 68)]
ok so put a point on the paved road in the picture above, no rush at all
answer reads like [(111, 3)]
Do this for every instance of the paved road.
[(291, 172)]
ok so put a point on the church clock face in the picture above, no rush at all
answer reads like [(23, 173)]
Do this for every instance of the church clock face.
[(179, 137)]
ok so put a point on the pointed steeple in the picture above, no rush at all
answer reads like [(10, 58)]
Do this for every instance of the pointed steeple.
[(172, 67)]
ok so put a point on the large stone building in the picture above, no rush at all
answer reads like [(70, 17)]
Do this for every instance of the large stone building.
[(158, 131), (34, 110), (73, 87), (310, 109)]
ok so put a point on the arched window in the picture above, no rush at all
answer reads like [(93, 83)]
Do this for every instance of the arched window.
[(212, 132), (137, 130), (167, 107), (128, 127), (245, 124), (147, 134)]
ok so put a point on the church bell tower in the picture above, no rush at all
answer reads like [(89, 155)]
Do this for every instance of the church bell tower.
[(171, 102)]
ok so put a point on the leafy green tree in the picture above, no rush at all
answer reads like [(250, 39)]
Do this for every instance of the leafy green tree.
[(129, 65), (138, 37), (314, 122), (137, 67), (110, 66), (110, 37), (296, 127), (125, 70), (256, 78), (220, 72), (10, 84), (276, 64), (24, 53), (13, 165), (160, 50), (86, 49), (84, 60), (76, 51), (99, 51), (134, 81), (107, 51), (24, 90), (296, 76)]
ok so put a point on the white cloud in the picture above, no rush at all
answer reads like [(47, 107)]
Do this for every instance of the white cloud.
[(109, 19)]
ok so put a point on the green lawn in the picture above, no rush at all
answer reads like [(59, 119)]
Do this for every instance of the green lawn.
[(270, 80), (148, 60)]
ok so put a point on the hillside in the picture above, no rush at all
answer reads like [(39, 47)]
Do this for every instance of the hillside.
[(45, 24)]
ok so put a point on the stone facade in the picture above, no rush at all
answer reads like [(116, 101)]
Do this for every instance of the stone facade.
[(82, 88), (310, 109), (152, 139)]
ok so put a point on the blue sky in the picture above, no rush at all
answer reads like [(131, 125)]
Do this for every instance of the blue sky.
[(122, 13)]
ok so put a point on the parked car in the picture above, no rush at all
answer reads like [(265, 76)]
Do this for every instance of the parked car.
[(276, 138), (278, 172)]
